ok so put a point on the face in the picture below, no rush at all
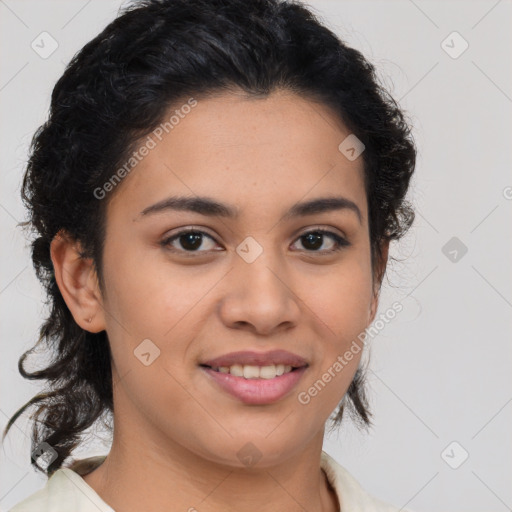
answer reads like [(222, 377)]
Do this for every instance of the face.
[(185, 288)]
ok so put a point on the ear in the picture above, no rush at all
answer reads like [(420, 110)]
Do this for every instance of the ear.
[(77, 281), (380, 270)]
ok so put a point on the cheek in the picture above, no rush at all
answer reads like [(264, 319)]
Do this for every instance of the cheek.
[(341, 308), (341, 300), (144, 293), (149, 300)]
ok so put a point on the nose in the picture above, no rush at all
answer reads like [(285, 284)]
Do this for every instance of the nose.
[(259, 297)]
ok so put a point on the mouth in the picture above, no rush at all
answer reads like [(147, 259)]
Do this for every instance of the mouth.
[(249, 371), (255, 378), (255, 384)]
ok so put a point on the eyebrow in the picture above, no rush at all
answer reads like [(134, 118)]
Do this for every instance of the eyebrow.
[(211, 208)]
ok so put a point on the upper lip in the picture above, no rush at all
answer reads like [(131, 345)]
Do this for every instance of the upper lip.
[(257, 359)]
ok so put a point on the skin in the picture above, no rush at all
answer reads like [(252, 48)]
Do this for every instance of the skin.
[(176, 434)]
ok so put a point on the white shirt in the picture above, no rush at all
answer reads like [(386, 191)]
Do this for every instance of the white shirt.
[(67, 491)]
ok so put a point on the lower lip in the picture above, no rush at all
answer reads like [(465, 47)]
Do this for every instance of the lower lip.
[(257, 391)]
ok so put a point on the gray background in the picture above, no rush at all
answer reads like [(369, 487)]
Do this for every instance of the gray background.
[(441, 370)]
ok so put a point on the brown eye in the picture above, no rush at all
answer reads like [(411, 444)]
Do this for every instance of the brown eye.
[(314, 240), (189, 240)]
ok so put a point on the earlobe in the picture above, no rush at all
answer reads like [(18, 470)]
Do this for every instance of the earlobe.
[(77, 281)]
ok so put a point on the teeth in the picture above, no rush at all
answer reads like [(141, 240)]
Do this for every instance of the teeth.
[(249, 371), (267, 372), (237, 370)]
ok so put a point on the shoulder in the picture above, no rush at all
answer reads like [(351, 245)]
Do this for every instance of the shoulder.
[(351, 495), (66, 490)]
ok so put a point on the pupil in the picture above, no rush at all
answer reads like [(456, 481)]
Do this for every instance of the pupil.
[(315, 238), (192, 241)]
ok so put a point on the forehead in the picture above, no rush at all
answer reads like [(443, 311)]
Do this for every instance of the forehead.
[(246, 151)]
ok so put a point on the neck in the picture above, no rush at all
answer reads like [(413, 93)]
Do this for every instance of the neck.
[(137, 477)]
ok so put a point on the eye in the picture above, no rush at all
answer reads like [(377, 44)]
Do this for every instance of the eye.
[(189, 239), (314, 239)]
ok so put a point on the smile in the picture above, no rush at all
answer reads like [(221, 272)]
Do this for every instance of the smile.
[(254, 385)]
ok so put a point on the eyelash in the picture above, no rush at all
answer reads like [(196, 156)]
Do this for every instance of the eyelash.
[(340, 241)]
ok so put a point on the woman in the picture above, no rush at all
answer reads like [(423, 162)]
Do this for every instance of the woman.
[(213, 196)]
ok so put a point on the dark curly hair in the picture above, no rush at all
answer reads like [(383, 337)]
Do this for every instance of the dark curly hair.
[(115, 91)]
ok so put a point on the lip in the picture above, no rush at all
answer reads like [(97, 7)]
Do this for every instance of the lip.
[(256, 391), (250, 357)]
